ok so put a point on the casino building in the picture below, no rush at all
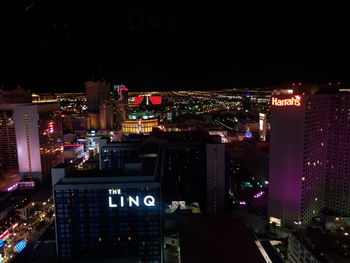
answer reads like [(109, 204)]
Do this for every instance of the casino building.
[(309, 155), (138, 123), (111, 214)]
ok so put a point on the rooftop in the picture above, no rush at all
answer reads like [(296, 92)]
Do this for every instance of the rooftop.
[(330, 244), (216, 238)]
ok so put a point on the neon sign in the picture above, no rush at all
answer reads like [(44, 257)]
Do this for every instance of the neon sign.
[(293, 101), (115, 199), (4, 235), (20, 245)]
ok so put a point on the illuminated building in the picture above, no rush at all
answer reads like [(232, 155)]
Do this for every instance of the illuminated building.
[(194, 170), (106, 116), (39, 139), (117, 156), (121, 111), (262, 126), (95, 140), (97, 93), (44, 98), (75, 122), (120, 93), (93, 121), (8, 149), (139, 125), (72, 152), (216, 179), (115, 215), (146, 100), (309, 156)]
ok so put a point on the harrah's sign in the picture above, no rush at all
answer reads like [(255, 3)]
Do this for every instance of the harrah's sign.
[(116, 199), (293, 101)]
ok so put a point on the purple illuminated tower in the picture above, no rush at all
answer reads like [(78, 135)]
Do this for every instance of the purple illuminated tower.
[(309, 156)]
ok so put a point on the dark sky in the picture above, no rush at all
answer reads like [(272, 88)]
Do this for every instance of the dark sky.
[(56, 45)]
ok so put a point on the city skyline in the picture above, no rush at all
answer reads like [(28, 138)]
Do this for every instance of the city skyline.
[(180, 133)]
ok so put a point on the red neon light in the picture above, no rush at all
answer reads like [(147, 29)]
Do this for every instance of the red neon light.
[(156, 100), (4, 235), (14, 226), (138, 100), (294, 101)]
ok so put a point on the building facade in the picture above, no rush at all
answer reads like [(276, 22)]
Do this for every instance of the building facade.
[(139, 126), (108, 218), (309, 151), (39, 139), (8, 149), (97, 93)]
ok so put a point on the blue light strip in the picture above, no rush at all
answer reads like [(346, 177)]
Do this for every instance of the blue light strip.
[(20, 245)]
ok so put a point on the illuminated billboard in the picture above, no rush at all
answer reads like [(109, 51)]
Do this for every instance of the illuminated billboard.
[(156, 100), (117, 199), (293, 101), (138, 100), (262, 126)]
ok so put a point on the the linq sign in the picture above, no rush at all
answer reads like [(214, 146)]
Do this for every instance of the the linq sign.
[(116, 199)]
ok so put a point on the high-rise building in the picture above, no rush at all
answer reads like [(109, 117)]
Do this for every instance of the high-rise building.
[(118, 156), (120, 98), (106, 116), (112, 213), (194, 170), (309, 156), (120, 93), (39, 139), (216, 179), (8, 149), (97, 93), (18, 95), (121, 111)]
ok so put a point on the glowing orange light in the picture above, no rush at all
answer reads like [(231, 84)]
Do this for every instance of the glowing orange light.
[(294, 101)]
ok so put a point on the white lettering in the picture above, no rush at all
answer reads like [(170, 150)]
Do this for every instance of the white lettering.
[(122, 201), (149, 200), (111, 202), (132, 200)]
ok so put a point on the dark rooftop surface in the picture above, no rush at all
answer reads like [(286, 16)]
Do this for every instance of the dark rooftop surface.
[(217, 238), (325, 246)]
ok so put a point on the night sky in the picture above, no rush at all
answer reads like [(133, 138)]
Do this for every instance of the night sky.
[(56, 46)]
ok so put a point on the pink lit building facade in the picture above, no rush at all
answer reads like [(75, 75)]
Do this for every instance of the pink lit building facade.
[(309, 156), (39, 139)]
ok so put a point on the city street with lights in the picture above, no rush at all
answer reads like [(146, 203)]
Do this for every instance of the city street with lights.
[(27, 232)]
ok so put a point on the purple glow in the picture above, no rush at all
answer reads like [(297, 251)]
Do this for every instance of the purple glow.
[(242, 202), (248, 134), (258, 195), (26, 185), (13, 187)]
